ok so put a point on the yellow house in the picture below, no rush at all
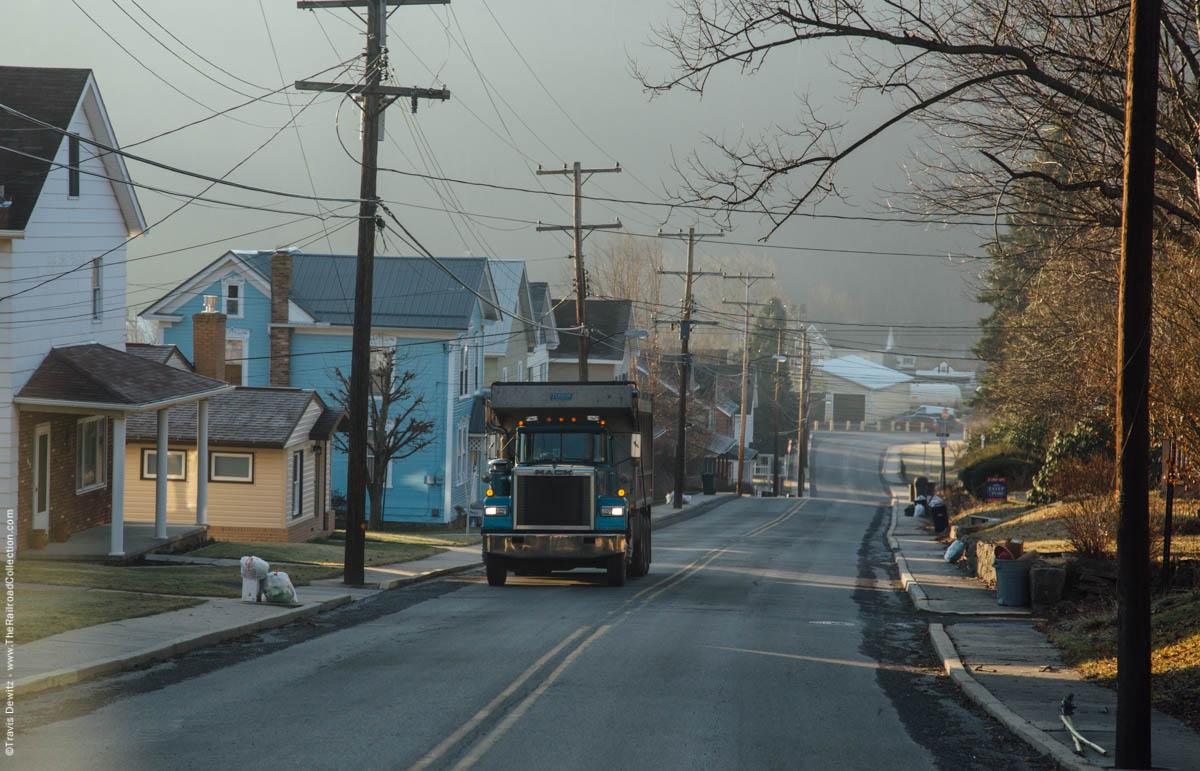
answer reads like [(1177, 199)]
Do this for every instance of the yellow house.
[(268, 465)]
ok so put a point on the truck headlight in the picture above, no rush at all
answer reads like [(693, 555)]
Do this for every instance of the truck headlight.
[(495, 511), (612, 511)]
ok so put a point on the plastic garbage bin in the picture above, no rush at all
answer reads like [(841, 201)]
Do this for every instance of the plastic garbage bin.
[(940, 517), (1012, 582), (708, 480)]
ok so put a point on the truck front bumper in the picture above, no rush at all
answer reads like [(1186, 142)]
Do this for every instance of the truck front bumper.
[(554, 546)]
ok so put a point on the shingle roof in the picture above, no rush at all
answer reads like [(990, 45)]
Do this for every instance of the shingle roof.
[(259, 417), (407, 292), (864, 372), (49, 94), (160, 354), (327, 424), (98, 374), (608, 321)]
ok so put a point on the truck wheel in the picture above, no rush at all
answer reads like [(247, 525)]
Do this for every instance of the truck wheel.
[(640, 563), (616, 570), (497, 574)]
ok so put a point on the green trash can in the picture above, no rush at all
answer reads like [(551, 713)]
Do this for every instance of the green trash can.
[(1012, 582)]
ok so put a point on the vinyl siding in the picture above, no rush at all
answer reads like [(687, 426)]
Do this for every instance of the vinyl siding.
[(256, 316), (230, 504), (62, 233)]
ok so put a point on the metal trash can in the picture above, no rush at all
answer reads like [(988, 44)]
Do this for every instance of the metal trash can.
[(708, 481), (1012, 582)]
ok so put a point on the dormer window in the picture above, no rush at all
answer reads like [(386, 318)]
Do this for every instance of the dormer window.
[(72, 166), (232, 297)]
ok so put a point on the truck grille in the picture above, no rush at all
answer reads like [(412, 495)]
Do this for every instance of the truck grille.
[(554, 500)]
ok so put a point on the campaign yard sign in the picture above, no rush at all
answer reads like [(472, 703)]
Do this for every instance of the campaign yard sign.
[(996, 490)]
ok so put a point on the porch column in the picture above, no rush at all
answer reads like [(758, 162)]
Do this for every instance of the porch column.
[(202, 462), (117, 527), (160, 480)]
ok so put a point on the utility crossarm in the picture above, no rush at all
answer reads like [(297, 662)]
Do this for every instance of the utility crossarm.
[(543, 228), (359, 88), (311, 4)]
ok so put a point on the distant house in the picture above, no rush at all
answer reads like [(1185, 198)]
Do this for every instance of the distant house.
[(290, 322), (510, 338), (67, 387), (609, 351), (855, 390), (268, 465), (546, 337)]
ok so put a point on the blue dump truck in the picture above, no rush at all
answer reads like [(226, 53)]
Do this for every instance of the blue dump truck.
[(569, 485)]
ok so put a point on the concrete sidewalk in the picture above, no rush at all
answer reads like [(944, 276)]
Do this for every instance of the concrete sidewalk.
[(1003, 663), (104, 649)]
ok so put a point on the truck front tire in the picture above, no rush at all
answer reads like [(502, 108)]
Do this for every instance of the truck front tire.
[(497, 572)]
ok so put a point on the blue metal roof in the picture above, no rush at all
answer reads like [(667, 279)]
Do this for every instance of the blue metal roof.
[(407, 292)]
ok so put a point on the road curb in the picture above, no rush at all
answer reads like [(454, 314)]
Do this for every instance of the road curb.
[(59, 678), (396, 583), (686, 514), (1036, 738)]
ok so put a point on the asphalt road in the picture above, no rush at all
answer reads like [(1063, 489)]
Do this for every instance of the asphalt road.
[(769, 634)]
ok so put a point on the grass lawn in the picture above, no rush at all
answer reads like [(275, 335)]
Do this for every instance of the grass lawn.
[(1088, 641), (43, 612), (202, 581)]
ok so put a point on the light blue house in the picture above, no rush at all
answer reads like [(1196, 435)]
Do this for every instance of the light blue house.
[(289, 318)]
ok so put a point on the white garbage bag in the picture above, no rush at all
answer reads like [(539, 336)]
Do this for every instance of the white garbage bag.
[(919, 510), (277, 587), (255, 568)]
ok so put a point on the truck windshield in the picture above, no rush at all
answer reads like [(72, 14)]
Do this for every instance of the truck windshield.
[(561, 447)]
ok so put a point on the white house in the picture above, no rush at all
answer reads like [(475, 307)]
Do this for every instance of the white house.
[(67, 209)]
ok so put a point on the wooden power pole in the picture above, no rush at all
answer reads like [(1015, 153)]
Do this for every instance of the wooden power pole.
[(685, 361), (1133, 379), (375, 99), (802, 431), (748, 280), (580, 275)]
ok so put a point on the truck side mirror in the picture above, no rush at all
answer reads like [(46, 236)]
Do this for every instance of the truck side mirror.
[(635, 446), (485, 478)]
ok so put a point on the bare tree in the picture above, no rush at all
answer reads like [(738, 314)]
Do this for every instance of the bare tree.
[(395, 429), (1000, 83)]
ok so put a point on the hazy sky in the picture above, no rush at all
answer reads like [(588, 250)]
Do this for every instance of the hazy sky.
[(532, 82)]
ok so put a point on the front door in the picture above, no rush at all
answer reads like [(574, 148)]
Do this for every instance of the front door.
[(41, 477)]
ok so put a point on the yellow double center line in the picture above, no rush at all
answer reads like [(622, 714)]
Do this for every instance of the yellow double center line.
[(480, 748)]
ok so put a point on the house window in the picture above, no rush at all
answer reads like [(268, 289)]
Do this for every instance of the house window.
[(97, 287), (232, 291), (475, 364), (464, 371), (231, 467), (73, 166), (297, 483), (461, 447), (91, 459), (176, 464), (237, 345), (387, 476)]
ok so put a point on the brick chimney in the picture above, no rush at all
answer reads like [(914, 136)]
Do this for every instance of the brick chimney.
[(208, 340), (281, 337)]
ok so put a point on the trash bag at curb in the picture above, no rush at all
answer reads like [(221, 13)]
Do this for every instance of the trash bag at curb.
[(954, 551), (919, 510), (909, 509), (277, 587), (255, 568)]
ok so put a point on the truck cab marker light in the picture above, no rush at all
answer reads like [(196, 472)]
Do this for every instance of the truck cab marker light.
[(621, 492), (490, 492)]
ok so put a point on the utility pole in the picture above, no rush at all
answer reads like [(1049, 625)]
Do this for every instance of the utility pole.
[(802, 431), (779, 359), (748, 280), (685, 360), (1133, 376), (375, 99), (580, 275)]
